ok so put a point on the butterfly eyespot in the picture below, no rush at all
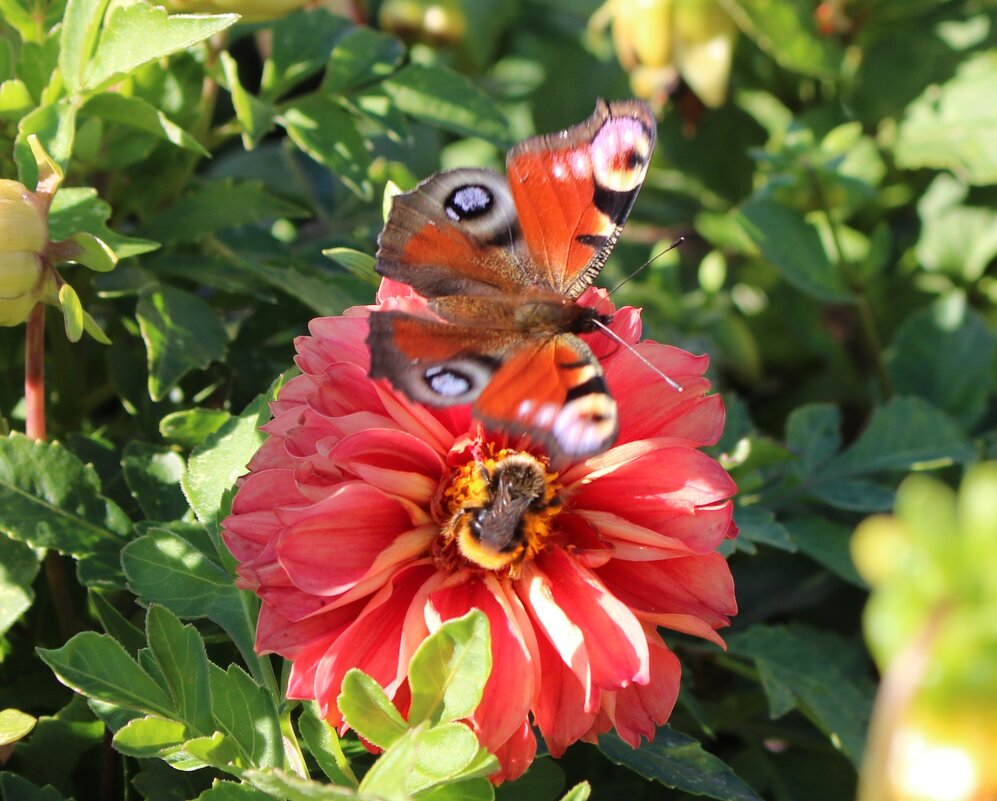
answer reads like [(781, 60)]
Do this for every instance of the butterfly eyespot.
[(468, 202), (447, 382)]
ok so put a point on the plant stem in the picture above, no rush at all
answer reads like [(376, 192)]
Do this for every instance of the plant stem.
[(870, 335), (34, 374)]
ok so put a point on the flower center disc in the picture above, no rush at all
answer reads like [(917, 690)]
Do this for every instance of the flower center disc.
[(498, 511)]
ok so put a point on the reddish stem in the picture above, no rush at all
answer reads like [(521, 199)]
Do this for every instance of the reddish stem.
[(34, 373)]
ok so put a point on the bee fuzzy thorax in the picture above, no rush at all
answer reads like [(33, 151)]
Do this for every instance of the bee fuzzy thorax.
[(498, 511)]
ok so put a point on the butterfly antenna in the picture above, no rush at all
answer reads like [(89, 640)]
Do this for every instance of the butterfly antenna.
[(647, 263), (617, 338)]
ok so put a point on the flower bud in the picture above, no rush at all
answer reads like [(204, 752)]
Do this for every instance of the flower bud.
[(433, 22), (23, 238), (642, 33)]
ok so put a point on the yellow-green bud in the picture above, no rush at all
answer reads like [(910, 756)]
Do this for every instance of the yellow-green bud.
[(433, 22), (23, 238), (642, 32)]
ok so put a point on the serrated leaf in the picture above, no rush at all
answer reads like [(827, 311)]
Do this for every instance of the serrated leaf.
[(98, 666), (17, 788), (137, 113), (18, 568), (49, 499), (150, 737), (786, 31), (114, 624), (854, 495), (189, 428), (14, 725), (80, 27), (77, 209), (826, 543), (153, 474), (368, 710), (813, 432), (164, 568), (135, 34), (448, 671), (214, 467), (281, 784), (218, 205), (802, 667), (951, 126), (254, 115), (759, 525), (217, 750), (302, 42), (905, 434), (794, 248), (323, 744), (179, 651), (320, 128), (181, 333), (244, 711), (944, 354), (441, 97), (360, 56), (678, 761)]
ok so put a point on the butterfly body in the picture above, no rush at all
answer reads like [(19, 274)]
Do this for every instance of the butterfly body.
[(502, 262)]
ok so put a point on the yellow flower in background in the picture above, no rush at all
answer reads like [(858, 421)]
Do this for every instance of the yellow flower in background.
[(931, 625), (658, 41), (433, 22)]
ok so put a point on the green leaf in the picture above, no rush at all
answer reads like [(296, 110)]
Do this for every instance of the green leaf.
[(284, 785), (19, 17), (49, 499), (388, 778), (179, 650), (15, 99), (448, 671), (79, 209), (15, 788), (356, 263), (945, 354), (214, 467), (678, 761), (137, 113), (320, 128), (786, 31), (150, 737), (80, 26), (92, 253), (905, 434), (218, 205), (808, 669), (826, 543), (229, 791), (153, 474), (164, 568), (55, 126), (18, 568), (794, 248), (580, 792), (813, 432), (360, 56), (98, 666), (441, 97), (15, 725), (189, 428), (254, 115), (464, 790), (957, 239), (854, 495), (217, 750), (114, 623), (72, 312), (137, 33), (323, 743), (447, 753), (244, 711), (302, 42), (759, 525), (951, 126), (369, 711), (181, 333)]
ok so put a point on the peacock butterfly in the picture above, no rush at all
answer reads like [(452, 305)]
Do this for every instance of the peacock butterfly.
[(502, 262)]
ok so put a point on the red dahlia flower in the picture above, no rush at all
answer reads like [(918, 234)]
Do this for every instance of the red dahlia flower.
[(356, 529)]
